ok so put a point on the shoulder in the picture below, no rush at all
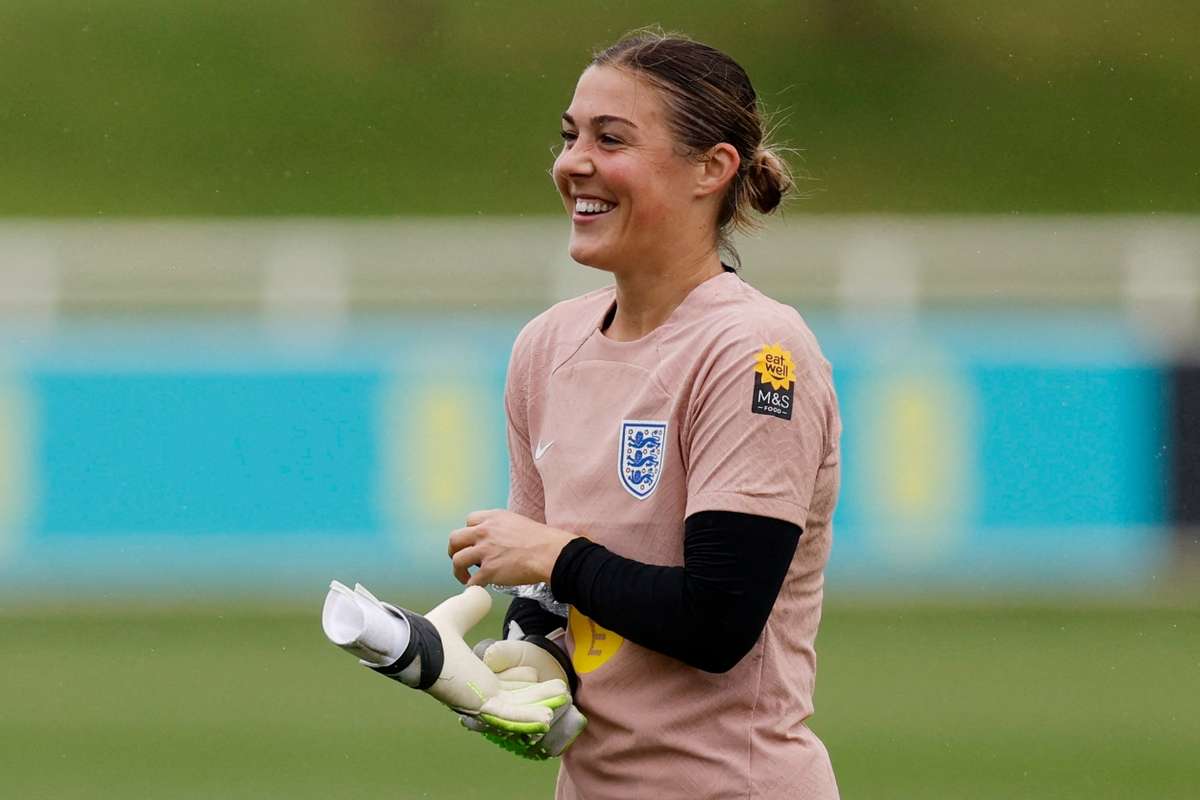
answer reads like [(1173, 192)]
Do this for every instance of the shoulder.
[(562, 327), (738, 324), (755, 359)]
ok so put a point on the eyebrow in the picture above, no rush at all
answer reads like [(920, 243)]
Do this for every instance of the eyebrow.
[(602, 119)]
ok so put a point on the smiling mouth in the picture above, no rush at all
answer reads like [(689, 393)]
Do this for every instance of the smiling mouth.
[(590, 207)]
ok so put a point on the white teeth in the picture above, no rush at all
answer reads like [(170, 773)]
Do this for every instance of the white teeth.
[(592, 206)]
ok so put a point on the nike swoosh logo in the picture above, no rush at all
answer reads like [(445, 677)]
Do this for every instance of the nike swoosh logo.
[(542, 448)]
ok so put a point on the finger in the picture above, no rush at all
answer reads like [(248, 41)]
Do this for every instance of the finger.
[(505, 654), (523, 710), (547, 694), (463, 560), (460, 538), (511, 706), (481, 577), (460, 613), (521, 675), (476, 517), (504, 720)]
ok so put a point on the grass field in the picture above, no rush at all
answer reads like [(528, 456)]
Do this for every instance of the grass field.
[(913, 702)]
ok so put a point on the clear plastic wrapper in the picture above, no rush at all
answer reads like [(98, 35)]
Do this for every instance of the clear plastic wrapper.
[(536, 591)]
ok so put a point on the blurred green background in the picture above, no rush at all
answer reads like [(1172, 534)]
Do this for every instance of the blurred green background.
[(153, 108), (160, 107), (979, 701)]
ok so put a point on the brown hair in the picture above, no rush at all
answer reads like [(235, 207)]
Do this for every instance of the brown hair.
[(710, 100)]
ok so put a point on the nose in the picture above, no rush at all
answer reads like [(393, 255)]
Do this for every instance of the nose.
[(574, 162)]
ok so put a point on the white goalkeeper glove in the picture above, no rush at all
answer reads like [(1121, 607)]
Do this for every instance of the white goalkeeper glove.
[(521, 661), (429, 653)]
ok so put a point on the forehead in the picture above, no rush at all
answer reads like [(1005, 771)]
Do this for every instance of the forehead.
[(616, 92)]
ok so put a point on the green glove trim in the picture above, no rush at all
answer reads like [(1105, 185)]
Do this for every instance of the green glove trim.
[(558, 701), (515, 727)]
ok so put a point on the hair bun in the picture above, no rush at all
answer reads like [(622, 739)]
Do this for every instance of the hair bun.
[(767, 181)]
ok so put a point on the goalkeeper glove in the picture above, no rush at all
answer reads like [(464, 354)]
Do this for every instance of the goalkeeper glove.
[(522, 661), (428, 653)]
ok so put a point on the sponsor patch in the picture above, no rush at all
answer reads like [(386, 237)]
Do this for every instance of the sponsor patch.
[(594, 645), (640, 460), (774, 381)]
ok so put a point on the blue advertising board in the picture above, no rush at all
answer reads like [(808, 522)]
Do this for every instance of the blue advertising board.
[(978, 452)]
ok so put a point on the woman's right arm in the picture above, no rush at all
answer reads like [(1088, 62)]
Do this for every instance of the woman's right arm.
[(526, 495)]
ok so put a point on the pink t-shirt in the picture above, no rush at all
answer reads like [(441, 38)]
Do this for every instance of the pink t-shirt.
[(728, 405)]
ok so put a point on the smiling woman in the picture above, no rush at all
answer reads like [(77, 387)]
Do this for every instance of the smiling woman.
[(679, 155), (685, 585)]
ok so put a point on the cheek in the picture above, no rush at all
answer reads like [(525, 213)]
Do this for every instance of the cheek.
[(654, 198), (627, 181)]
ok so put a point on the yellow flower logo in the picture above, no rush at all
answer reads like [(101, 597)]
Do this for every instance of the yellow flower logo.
[(774, 366)]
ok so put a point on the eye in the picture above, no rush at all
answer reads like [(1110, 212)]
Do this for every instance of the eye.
[(609, 139), (568, 136)]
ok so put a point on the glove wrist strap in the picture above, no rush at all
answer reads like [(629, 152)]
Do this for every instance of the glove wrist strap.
[(425, 644)]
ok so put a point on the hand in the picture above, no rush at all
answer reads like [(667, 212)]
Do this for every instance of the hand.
[(509, 549), (520, 662), (564, 728), (424, 651), (439, 662)]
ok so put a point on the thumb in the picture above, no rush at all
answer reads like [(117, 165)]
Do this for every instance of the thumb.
[(508, 654), (505, 654), (462, 612)]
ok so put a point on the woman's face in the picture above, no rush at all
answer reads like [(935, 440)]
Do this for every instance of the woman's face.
[(631, 194)]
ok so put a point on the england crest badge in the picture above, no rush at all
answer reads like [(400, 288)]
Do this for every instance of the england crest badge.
[(640, 460)]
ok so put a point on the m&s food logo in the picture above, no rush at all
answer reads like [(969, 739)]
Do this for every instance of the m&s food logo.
[(774, 379)]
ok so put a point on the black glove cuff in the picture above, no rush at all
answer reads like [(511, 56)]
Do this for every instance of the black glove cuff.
[(423, 641), (560, 656)]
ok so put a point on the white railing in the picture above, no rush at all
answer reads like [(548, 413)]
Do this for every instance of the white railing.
[(329, 268)]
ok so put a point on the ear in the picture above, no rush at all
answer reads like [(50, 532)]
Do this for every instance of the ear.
[(717, 169)]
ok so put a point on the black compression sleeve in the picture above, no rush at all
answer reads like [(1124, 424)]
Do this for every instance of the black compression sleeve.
[(533, 619), (707, 613)]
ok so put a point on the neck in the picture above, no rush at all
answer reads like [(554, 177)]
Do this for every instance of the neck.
[(646, 297)]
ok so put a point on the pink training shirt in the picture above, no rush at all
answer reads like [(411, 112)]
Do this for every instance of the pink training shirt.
[(728, 405)]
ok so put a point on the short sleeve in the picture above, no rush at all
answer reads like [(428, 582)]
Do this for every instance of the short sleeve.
[(760, 422), (525, 493)]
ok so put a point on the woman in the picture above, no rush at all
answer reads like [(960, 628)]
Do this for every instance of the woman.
[(674, 450)]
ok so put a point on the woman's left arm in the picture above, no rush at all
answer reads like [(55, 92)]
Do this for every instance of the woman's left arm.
[(707, 613)]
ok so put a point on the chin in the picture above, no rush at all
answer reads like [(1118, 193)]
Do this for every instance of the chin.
[(591, 256)]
